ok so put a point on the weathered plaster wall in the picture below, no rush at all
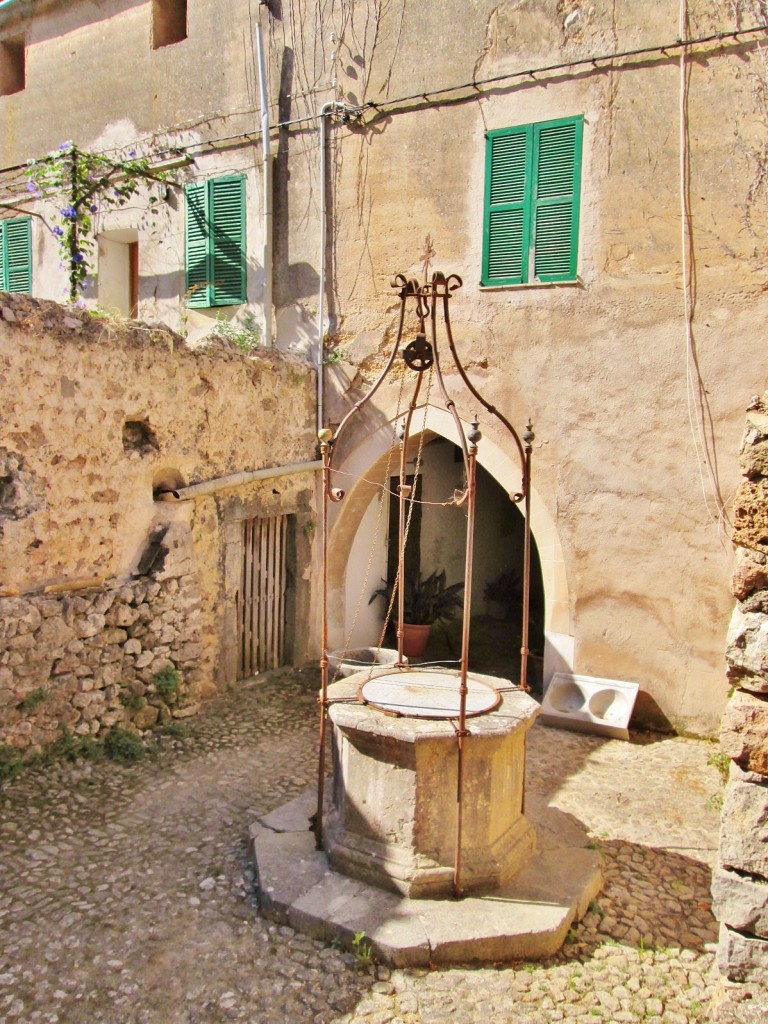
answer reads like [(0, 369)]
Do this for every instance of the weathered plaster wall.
[(604, 367), (97, 415)]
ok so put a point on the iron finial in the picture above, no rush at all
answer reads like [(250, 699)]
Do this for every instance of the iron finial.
[(474, 435), (529, 435)]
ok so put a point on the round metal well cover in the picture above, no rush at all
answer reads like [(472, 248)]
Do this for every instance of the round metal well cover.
[(431, 693)]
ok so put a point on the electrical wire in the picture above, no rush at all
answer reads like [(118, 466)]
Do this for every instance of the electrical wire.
[(694, 385), (427, 96)]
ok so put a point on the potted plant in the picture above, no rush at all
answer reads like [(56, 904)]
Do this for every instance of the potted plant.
[(427, 600)]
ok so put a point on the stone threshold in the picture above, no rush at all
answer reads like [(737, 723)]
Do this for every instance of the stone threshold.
[(526, 920)]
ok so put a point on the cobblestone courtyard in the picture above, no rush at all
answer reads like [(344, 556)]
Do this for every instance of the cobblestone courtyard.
[(126, 892)]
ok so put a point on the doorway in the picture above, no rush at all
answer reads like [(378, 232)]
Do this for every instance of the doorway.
[(262, 606)]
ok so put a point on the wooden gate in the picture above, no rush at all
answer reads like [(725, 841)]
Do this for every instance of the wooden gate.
[(261, 619)]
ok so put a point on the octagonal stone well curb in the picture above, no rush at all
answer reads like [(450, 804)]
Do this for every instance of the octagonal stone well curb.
[(527, 919)]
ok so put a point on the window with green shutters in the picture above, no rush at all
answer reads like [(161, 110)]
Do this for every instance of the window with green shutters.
[(532, 185), (16, 254), (215, 213)]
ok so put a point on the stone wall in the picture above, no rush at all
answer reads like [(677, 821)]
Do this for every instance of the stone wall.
[(106, 579), (740, 882), (97, 658)]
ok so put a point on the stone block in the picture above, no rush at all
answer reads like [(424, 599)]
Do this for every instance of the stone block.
[(753, 456), (744, 731), (741, 902), (30, 620), (744, 824), (104, 601), (122, 615), (750, 514), (742, 957), (113, 635), (750, 573), (146, 717), (90, 625), (747, 646), (111, 673)]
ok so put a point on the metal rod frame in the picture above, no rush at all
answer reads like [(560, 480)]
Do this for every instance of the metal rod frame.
[(420, 356)]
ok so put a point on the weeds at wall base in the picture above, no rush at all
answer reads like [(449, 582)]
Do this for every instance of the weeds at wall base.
[(117, 744)]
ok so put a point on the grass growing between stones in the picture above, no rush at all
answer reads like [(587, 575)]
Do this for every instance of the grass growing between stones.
[(167, 683), (33, 700)]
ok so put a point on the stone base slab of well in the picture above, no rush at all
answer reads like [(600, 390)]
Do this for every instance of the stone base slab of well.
[(528, 918)]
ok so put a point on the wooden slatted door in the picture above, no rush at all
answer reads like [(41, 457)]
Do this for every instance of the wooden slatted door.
[(261, 622)]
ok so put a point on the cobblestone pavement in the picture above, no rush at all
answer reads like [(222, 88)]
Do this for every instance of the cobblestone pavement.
[(126, 894)]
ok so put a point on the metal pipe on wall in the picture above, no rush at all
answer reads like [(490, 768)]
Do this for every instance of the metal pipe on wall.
[(325, 111), (267, 203)]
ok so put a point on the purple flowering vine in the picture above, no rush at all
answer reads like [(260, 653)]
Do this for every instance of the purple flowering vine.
[(88, 183)]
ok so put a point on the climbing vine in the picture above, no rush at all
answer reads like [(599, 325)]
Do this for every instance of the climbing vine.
[(83, 184)]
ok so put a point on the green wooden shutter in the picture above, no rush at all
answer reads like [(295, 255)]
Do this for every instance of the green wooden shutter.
[(215, 221), (16, 239), (507, 215), (555, 234), (532, 185), (198, 268), (227, 202)]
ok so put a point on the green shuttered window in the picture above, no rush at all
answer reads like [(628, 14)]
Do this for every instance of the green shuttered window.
[(216, 242), (532, 185), (16, 254)]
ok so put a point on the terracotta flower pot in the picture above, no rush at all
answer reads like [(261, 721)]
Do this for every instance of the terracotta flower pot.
[(415, 639)]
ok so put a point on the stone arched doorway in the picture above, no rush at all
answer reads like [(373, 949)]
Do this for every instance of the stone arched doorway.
[(357, 549)]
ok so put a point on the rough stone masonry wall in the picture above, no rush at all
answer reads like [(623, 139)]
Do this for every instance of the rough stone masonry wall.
[(92, 660), (102, 586), (740, 882)]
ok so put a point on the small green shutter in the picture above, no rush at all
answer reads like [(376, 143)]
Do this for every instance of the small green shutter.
[(215, 221), (198, 277), (532, 182), (227, 197), (16, 239), (506, 226), (557, 159)]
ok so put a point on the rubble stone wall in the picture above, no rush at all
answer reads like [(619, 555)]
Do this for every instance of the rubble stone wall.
[(97, 658), (740, 882), (106, 579)]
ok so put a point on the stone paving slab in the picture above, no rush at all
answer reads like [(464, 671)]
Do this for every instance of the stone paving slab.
[(126, 895), (528, 918)]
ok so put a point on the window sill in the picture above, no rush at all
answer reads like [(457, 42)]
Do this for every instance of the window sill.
[(576, 283)]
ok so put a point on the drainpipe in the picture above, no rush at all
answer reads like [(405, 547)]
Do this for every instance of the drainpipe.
[(267, 186), (325, 110), (223, 483)]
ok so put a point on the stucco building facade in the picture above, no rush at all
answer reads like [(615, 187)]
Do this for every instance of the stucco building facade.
[(612, 262)]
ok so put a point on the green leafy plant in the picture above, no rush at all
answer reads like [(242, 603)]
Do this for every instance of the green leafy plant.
[(84, 184), (720, 760), (11, 762), (176, 730), (121, 745), (132, 701), (70, 747), (245, 334), (361, 950), (167, 683), (333, 356), (428, 599), (506, 590), (33, 699)]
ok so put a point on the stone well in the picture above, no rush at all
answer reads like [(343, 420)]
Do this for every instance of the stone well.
[(392, 821)]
